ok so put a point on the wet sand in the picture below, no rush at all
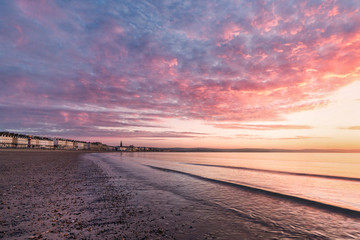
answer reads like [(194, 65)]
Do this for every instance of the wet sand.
[(57, 195), (61, 195)]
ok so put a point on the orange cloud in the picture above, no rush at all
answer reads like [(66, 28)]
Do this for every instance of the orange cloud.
[(261, 126), (351, 128)]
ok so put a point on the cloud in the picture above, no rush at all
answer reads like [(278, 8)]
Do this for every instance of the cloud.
[(209, 60), (162, 134), (351, 128), (85, 124), (258, 137), (261, 127)]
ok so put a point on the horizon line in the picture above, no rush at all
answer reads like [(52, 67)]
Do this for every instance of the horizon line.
[(265, 150)]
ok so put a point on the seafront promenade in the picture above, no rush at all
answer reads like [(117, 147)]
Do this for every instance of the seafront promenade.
[(22, 141), (15, 140)]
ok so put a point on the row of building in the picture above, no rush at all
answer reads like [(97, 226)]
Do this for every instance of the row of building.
[(13, 140)]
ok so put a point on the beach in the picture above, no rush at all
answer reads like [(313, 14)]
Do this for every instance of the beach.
[(47, 194), (60, 195), (243, 195), (56, 195)]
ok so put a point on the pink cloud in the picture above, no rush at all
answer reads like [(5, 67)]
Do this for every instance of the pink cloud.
[(261, 127), (214, 61)]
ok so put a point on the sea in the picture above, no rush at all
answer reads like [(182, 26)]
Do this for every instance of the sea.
[(297, 195)]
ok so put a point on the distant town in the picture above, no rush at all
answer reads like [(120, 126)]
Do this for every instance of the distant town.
[(22, 141)]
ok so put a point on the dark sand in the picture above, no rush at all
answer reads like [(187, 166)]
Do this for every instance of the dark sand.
[(59, 195)]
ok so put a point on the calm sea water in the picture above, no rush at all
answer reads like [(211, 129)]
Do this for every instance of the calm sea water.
[(303, 195)]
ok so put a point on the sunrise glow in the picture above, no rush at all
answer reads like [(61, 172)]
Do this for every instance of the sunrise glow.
[(226, 74)]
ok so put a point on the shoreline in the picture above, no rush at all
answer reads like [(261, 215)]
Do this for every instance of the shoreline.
[(64, 195), (195, 150), (36, 150), (59, 195)]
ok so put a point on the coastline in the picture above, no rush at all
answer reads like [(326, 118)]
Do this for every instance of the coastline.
[(61, 195), (58, 195), (30, 150)]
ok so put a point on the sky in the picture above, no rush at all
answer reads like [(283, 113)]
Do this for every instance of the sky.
[(170, 73)]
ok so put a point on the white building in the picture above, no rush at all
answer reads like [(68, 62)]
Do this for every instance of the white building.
[(21, 142), (6, 141), (46, 143)]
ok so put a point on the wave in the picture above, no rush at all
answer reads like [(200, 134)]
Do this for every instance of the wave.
[(302, 200), (279, 172)]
